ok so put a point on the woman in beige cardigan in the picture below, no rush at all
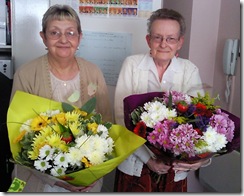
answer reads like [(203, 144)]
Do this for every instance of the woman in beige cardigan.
[(59, 75)]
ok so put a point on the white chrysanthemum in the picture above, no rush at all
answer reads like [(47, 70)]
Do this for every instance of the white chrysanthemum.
[(110, 144), (154, 106), (171, 113), (85, 144), (61, 160), (99, 144), (156, 112), (209, 135), (103, 129), (146, 118), (74, 156), (58, 171), (221, 141), (80, 140), (147, 105), (215, 141), (158, 115), (26, 126), (42, 165), (46, 152), (96, 157)]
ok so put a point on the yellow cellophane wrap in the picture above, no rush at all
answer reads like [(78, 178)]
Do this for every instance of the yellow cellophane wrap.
[(25, 106)]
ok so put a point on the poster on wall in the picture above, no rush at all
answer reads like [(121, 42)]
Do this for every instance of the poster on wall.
[(110, 8), (116, 8)]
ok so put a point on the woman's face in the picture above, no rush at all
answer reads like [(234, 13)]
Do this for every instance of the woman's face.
[(61, 38), (162, 30)]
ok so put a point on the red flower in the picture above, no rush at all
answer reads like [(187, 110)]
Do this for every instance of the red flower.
[(182, 106), (200, 109), (199, 131), (140, 129), (204, 155)]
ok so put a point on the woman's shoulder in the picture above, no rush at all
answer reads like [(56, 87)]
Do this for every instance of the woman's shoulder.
[(31, 65), (135, 57), (185, 62), (85, 63)]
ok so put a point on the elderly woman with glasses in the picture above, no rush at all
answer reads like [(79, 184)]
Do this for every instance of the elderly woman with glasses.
[(158, 70), (62, 76)]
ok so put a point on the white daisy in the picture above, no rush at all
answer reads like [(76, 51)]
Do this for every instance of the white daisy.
[(42, 165), (61, 160), (58, 171), (46, 152)]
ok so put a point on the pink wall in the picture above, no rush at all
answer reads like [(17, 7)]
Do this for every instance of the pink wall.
[(209, 24), (229, 27)]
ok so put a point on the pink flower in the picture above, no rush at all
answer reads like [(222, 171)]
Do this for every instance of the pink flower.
[(221, 122), (183, 139)]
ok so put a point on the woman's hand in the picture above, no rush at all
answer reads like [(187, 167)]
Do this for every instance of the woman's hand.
[(73, 188), (158, 166), (185, 166)]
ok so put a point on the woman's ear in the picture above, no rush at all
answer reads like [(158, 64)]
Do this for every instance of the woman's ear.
[(80, 37), (180, 43), (44, 40), (148, 40)]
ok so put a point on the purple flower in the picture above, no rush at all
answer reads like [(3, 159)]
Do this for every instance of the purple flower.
[(221, 122)]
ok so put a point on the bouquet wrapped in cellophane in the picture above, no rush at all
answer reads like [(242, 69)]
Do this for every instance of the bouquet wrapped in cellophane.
[(181, 127), (68, 143)]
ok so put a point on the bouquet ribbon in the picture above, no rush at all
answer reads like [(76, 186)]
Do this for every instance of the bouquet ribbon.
[(24, 106)]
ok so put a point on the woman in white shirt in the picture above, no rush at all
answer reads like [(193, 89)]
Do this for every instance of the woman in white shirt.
[(158, 70)]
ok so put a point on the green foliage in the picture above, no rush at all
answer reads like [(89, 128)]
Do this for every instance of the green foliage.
[(206, 100), (135, 115), (67, 107), (89, 106)]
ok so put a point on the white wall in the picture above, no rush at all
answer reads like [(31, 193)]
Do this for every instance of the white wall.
[(26, 25)]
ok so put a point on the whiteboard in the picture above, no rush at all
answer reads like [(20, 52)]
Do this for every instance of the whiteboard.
[(107, 50)]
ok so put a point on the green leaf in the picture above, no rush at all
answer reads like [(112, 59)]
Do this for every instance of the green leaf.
[(67, 107), (63, 129), (108, 125), (97, 118), (89, 106)]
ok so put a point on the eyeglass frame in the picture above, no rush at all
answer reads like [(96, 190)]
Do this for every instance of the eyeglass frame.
[(167, 39), (68, 35)]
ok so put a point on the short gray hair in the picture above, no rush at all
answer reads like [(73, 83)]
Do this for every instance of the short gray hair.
[(165, 13), (60, 12)]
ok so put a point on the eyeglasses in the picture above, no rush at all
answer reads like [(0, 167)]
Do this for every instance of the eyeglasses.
[(169, 40), (54, 35)]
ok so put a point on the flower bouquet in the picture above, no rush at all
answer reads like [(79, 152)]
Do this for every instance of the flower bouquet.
[(181, 127), (68, 143)]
